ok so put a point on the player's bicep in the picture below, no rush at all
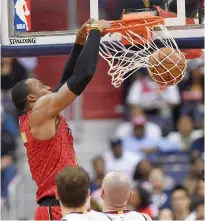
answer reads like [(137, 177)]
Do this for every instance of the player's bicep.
[(60, 100)]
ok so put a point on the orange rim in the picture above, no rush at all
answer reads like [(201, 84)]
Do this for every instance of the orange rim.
[(139, 23)]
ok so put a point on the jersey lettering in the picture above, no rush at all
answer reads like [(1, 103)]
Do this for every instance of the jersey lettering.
[(24, 137)]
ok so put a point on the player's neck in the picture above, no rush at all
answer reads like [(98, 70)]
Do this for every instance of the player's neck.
[(66, 211), (109, 208)]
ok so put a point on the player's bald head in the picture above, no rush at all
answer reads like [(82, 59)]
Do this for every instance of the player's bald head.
[(116, 189)]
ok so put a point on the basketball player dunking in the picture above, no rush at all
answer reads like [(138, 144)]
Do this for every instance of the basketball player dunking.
[(45, 133)]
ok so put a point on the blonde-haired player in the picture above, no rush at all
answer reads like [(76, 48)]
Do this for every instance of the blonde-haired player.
[(116, 191)]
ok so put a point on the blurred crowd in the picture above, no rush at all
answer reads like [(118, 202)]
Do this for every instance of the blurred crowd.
[(12, 71), (160, 145)]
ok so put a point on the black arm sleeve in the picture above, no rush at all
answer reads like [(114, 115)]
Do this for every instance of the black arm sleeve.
[(70, 65), (86, 64)]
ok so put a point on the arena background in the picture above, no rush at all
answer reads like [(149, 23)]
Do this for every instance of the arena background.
[(97, 117)]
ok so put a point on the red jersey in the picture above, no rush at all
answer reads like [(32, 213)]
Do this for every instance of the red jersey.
[(47, 157)]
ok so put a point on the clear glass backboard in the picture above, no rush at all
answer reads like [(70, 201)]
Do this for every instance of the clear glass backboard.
[(53, 24)]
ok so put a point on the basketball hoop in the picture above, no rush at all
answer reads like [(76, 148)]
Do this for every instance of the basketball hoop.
[(138, 42)]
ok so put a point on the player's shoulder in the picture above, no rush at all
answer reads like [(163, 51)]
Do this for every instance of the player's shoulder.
[(129, 215), (40, 110), (75, 217), (138, 216), (147, 217), (143, 216)]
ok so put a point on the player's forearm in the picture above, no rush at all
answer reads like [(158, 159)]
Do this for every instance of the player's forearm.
[(86, 64), (70, 64)]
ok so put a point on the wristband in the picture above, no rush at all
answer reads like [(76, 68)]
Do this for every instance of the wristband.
[(96, 27)]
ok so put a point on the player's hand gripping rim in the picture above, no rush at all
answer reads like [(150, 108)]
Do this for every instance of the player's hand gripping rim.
[(83, 31)]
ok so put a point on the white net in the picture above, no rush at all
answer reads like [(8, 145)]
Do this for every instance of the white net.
[(125, 60)]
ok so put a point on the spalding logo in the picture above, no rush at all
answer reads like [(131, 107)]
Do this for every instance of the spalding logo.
[(13, 41)]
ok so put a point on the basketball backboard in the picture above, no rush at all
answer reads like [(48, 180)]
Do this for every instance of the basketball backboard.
[(50, 26)]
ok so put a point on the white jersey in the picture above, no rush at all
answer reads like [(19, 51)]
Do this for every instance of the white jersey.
[(125, 216), (88, 216)]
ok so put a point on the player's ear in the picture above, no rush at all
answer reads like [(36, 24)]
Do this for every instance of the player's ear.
[(31, 98), (56, 194), (102, 193), (131, 195)]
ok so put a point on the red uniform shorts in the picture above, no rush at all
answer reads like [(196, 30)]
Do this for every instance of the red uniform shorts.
[(48, 210)]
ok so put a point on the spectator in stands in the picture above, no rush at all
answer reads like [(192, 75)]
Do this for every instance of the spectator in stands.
[(180, 203), (194, 176), (119, 159), (95, 185), (140, 201), (95, 205), (125, 129), (200, 210), (160, 194), (8, 122), (166, 214), (13, 71), (197, 147), (139, 142), (200, 189), (192, 90), (10, 74), (8, 168), (6, 73), (99, 173), (27, 64), (144, 93), (198, 194), (142, 172), (186, 133)]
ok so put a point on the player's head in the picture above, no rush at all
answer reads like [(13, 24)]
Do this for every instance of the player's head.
[(72, 187), (26, 92), (116, 190)]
